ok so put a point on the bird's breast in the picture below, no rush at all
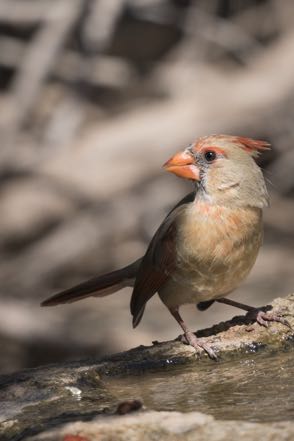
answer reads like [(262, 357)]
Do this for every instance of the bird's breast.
[(216, 247)]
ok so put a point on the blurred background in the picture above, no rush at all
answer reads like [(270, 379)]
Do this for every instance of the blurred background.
[(94, 96)]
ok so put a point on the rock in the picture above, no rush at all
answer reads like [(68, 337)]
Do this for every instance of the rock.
[(80, 391), (169, 426)]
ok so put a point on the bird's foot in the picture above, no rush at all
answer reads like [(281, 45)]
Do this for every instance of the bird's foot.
[(264, 317), (191, 339)]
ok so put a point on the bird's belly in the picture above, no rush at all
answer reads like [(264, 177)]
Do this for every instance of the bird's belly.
[(197, 280), (174, 294)]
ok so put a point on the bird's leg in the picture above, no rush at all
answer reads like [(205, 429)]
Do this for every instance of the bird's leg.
[(262, 317), (236, 304), (190, 337)]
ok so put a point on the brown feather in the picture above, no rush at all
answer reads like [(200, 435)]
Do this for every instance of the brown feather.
[(100, 286), (150, 278), (159, 261)]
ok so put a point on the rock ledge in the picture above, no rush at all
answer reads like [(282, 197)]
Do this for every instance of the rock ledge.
[(36, 401)]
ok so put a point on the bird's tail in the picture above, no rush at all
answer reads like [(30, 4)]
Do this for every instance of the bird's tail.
[(98, 286)]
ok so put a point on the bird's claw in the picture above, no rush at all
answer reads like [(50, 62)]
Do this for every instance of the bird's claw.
[(191, 339), (263, 318)]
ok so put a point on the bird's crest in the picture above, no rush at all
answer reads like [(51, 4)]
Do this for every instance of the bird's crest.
[(252, 146)]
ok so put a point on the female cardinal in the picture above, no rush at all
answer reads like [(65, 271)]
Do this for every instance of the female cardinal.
[(206, 245)]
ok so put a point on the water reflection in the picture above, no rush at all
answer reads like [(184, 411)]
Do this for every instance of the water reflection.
[(259, 388)]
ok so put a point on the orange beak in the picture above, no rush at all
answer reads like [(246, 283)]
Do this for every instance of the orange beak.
[(183, 165)]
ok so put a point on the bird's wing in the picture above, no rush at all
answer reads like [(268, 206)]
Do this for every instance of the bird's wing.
[(158, 262)]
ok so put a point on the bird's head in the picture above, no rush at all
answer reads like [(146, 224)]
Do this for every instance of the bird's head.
[(224, 168)]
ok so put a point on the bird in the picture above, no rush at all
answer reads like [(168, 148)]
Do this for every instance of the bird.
[(206, 245)]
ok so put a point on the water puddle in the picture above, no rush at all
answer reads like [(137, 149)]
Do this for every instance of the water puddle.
[(258, 387)]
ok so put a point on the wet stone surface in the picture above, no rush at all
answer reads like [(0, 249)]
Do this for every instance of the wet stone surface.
[(257, 388), (252, 381)]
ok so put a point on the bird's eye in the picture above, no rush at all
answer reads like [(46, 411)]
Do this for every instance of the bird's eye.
[(210, 155)]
